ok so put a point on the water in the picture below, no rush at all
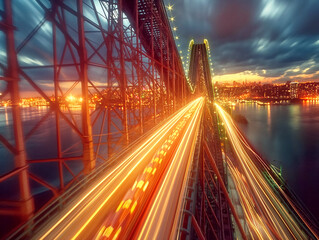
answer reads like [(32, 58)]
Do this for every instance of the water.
[(285, 135), (42, 144), (288, 136)]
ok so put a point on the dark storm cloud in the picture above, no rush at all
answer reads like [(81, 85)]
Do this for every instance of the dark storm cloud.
[(254, 35), (34, 41), (308, 18), (233, 20), (266, 37)]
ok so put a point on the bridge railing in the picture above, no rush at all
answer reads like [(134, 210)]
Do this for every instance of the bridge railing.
[(59, 204)]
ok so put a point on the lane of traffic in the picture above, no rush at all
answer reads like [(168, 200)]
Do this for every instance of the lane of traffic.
[(265, 210), (161, 220), (103, 195)]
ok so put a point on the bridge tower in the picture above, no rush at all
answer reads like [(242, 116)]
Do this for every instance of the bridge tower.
[(210, 212)]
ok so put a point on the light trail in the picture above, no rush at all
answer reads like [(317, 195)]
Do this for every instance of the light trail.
[(102, 196), (265, 209), (140, 193), (162, 217)]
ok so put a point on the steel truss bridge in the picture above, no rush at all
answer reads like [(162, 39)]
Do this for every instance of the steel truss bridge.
[(137, 148)]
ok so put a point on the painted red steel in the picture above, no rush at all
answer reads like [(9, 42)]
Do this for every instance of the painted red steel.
[(141, 81), (25, 206), (212, 204), (224, 189), (197, 228)]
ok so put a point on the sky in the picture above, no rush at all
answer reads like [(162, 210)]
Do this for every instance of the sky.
[(254, 40)]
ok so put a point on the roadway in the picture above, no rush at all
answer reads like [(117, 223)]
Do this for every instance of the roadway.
[(268, 211), (140, 196)]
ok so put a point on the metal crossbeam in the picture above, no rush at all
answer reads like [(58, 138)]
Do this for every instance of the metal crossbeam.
[(118, 55)]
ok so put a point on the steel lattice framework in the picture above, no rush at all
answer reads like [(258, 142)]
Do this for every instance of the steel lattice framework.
[(199, 70), (118, 55), (207, 208)]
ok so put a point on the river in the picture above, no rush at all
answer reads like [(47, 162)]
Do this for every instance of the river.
[(287, 136)]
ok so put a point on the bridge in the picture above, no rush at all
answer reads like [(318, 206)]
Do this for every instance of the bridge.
[(118, 141)]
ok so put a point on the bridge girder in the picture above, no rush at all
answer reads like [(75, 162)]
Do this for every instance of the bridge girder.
[(119, 56)]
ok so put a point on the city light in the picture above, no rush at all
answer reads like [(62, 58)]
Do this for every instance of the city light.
[(130, 178), (283, 93)]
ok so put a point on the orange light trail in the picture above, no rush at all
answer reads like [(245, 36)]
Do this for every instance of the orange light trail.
[(138, 193), (161, 220), (80, 214), (265, 209)]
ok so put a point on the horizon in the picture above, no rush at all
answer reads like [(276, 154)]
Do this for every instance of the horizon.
[(274, 41)]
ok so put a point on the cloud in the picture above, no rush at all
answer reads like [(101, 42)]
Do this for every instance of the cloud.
[(266, 37), (233, 20), (270, 39)]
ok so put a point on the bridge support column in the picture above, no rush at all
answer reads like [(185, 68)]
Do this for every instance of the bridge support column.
[(56, 95), (162, 77), (153, 63), (26, 203), (123, 72), (87, 139), (168, 99), (174, 85), (138, 73), (109, 80)]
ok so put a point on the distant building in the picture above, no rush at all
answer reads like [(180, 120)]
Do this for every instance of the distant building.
[(293, 90), (271, 91)]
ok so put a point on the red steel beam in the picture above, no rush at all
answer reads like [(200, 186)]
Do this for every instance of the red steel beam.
[(88, 155), (12, 173), (197, 228), (135, 79), (123, 77), (222, 185), (27, 205)]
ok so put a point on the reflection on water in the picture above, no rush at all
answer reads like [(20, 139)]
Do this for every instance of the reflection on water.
[(294, 120), (40, 131), (268, 116), (6, 116), (287, 135), (40, 145)]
